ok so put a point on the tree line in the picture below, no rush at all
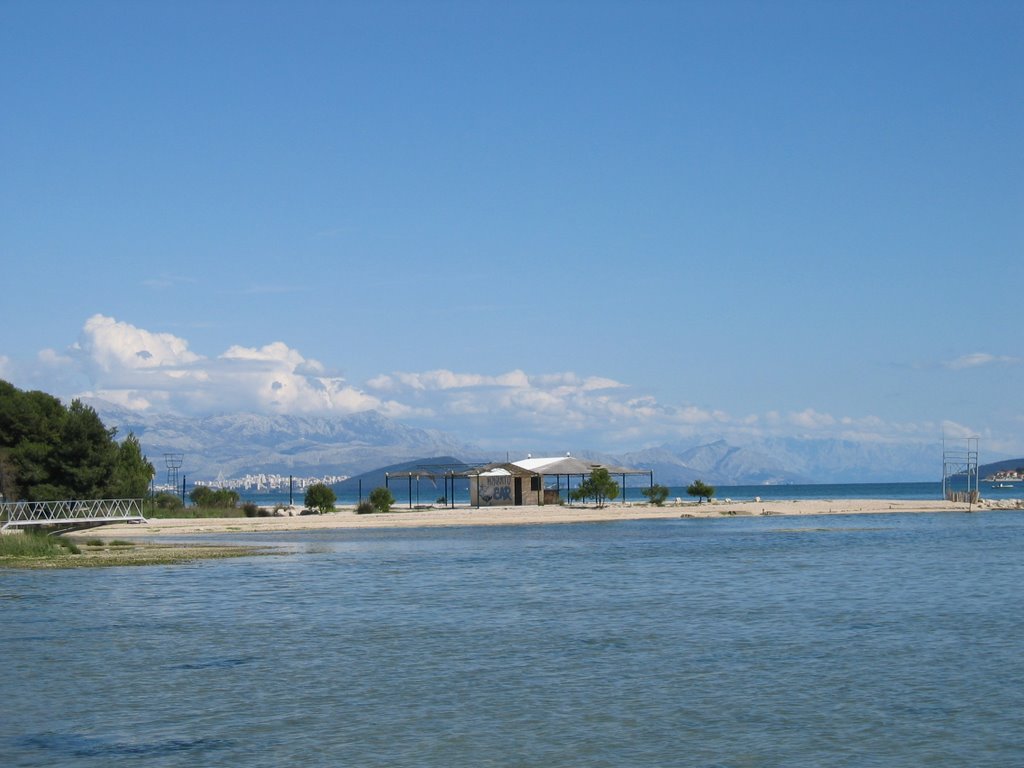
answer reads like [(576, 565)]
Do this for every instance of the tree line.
[(49, 451)]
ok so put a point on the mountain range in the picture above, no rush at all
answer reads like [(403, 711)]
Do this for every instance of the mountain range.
[(232, 445)]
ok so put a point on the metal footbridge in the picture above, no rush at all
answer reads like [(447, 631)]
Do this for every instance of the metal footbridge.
[(84, 513)]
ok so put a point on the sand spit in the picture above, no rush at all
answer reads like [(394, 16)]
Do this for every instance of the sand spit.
[(345, 518)]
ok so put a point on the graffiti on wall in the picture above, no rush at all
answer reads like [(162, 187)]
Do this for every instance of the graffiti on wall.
[(495, 490)]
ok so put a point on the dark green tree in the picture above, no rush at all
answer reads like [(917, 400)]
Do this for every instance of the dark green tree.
[(656, 494), (381, 499), (320, 497), (599, 486), (132, 471), (51, 452), (30, 425), (82, 462), (701, 490)]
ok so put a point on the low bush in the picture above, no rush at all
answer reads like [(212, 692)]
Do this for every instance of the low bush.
[(381, 499), (365, 508), (656, 494), (69, 545), (28, 544), (35, 544)]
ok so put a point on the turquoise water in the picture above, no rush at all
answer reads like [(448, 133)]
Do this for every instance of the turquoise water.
[(876, 640)]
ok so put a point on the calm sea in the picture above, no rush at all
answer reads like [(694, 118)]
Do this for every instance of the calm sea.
[(881, 640)]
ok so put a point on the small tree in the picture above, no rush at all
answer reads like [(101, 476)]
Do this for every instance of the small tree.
[(320, 497), (656, 494), (599, 487), (214, 498), (701, 490), (381, 499), (132, 472), (167, 501)]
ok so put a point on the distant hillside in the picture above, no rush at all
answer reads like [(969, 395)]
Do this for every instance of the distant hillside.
[(716, 462), (233, 445), (236, 444), (376, 477), (987, 470)]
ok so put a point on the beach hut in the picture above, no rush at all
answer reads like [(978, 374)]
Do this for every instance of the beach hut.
[(535, 481)]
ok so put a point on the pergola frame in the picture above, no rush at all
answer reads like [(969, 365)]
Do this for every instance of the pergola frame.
[(579, 469)]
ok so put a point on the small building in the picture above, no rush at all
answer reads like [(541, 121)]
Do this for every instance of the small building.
[(535, 481)]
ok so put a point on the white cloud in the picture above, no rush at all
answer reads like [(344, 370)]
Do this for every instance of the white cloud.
[(811, 419), (978, 359), (109, 345), (140, 369)]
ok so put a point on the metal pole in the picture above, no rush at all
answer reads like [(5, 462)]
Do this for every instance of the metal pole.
[(360, 490), (184, 479), (290, 490)]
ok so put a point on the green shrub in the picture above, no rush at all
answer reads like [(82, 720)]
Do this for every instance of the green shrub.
[(656, 494), (220, 498), (365, 508), (69, 545), (28, 544), (381, 499), (94, 543), (250, 509), (167, 502), (320, 497)]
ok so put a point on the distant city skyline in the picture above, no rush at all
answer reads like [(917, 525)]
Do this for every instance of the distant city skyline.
[(603, 225)]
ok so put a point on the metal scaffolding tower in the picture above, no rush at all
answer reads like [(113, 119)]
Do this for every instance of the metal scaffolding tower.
[(960, 471), (173, 462)]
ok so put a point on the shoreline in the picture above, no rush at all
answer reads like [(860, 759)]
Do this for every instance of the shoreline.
[(346, 519)]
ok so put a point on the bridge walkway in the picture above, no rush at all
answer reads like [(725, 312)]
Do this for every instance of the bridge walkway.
[(84, 512)]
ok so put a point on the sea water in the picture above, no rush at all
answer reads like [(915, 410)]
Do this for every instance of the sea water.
[(871, 640)]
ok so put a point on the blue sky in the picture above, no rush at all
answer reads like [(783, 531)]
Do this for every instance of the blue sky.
[(588, 224)]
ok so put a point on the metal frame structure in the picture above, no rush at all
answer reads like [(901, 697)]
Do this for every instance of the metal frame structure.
[(173, 461), (569, 475), (88, 512), (960, 462)]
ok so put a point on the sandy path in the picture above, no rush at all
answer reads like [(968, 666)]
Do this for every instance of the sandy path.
[(345, 518)]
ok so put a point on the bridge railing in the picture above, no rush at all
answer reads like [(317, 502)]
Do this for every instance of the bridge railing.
[(19, 513)]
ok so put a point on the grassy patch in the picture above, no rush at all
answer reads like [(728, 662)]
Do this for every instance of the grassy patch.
[(120, 553), (29, 544)]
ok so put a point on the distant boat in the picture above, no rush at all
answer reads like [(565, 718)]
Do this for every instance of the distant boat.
[(1003, 485)]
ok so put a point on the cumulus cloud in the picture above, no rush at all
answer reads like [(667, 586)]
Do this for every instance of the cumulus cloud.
[(140, 369), (545, 406)]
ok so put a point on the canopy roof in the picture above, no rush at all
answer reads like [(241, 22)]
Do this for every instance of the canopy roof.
[(557, 465)]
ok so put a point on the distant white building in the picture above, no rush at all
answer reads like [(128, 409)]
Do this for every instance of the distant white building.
[(534, 481)]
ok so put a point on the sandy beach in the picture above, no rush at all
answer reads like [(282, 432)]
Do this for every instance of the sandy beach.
[(345, 518)]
